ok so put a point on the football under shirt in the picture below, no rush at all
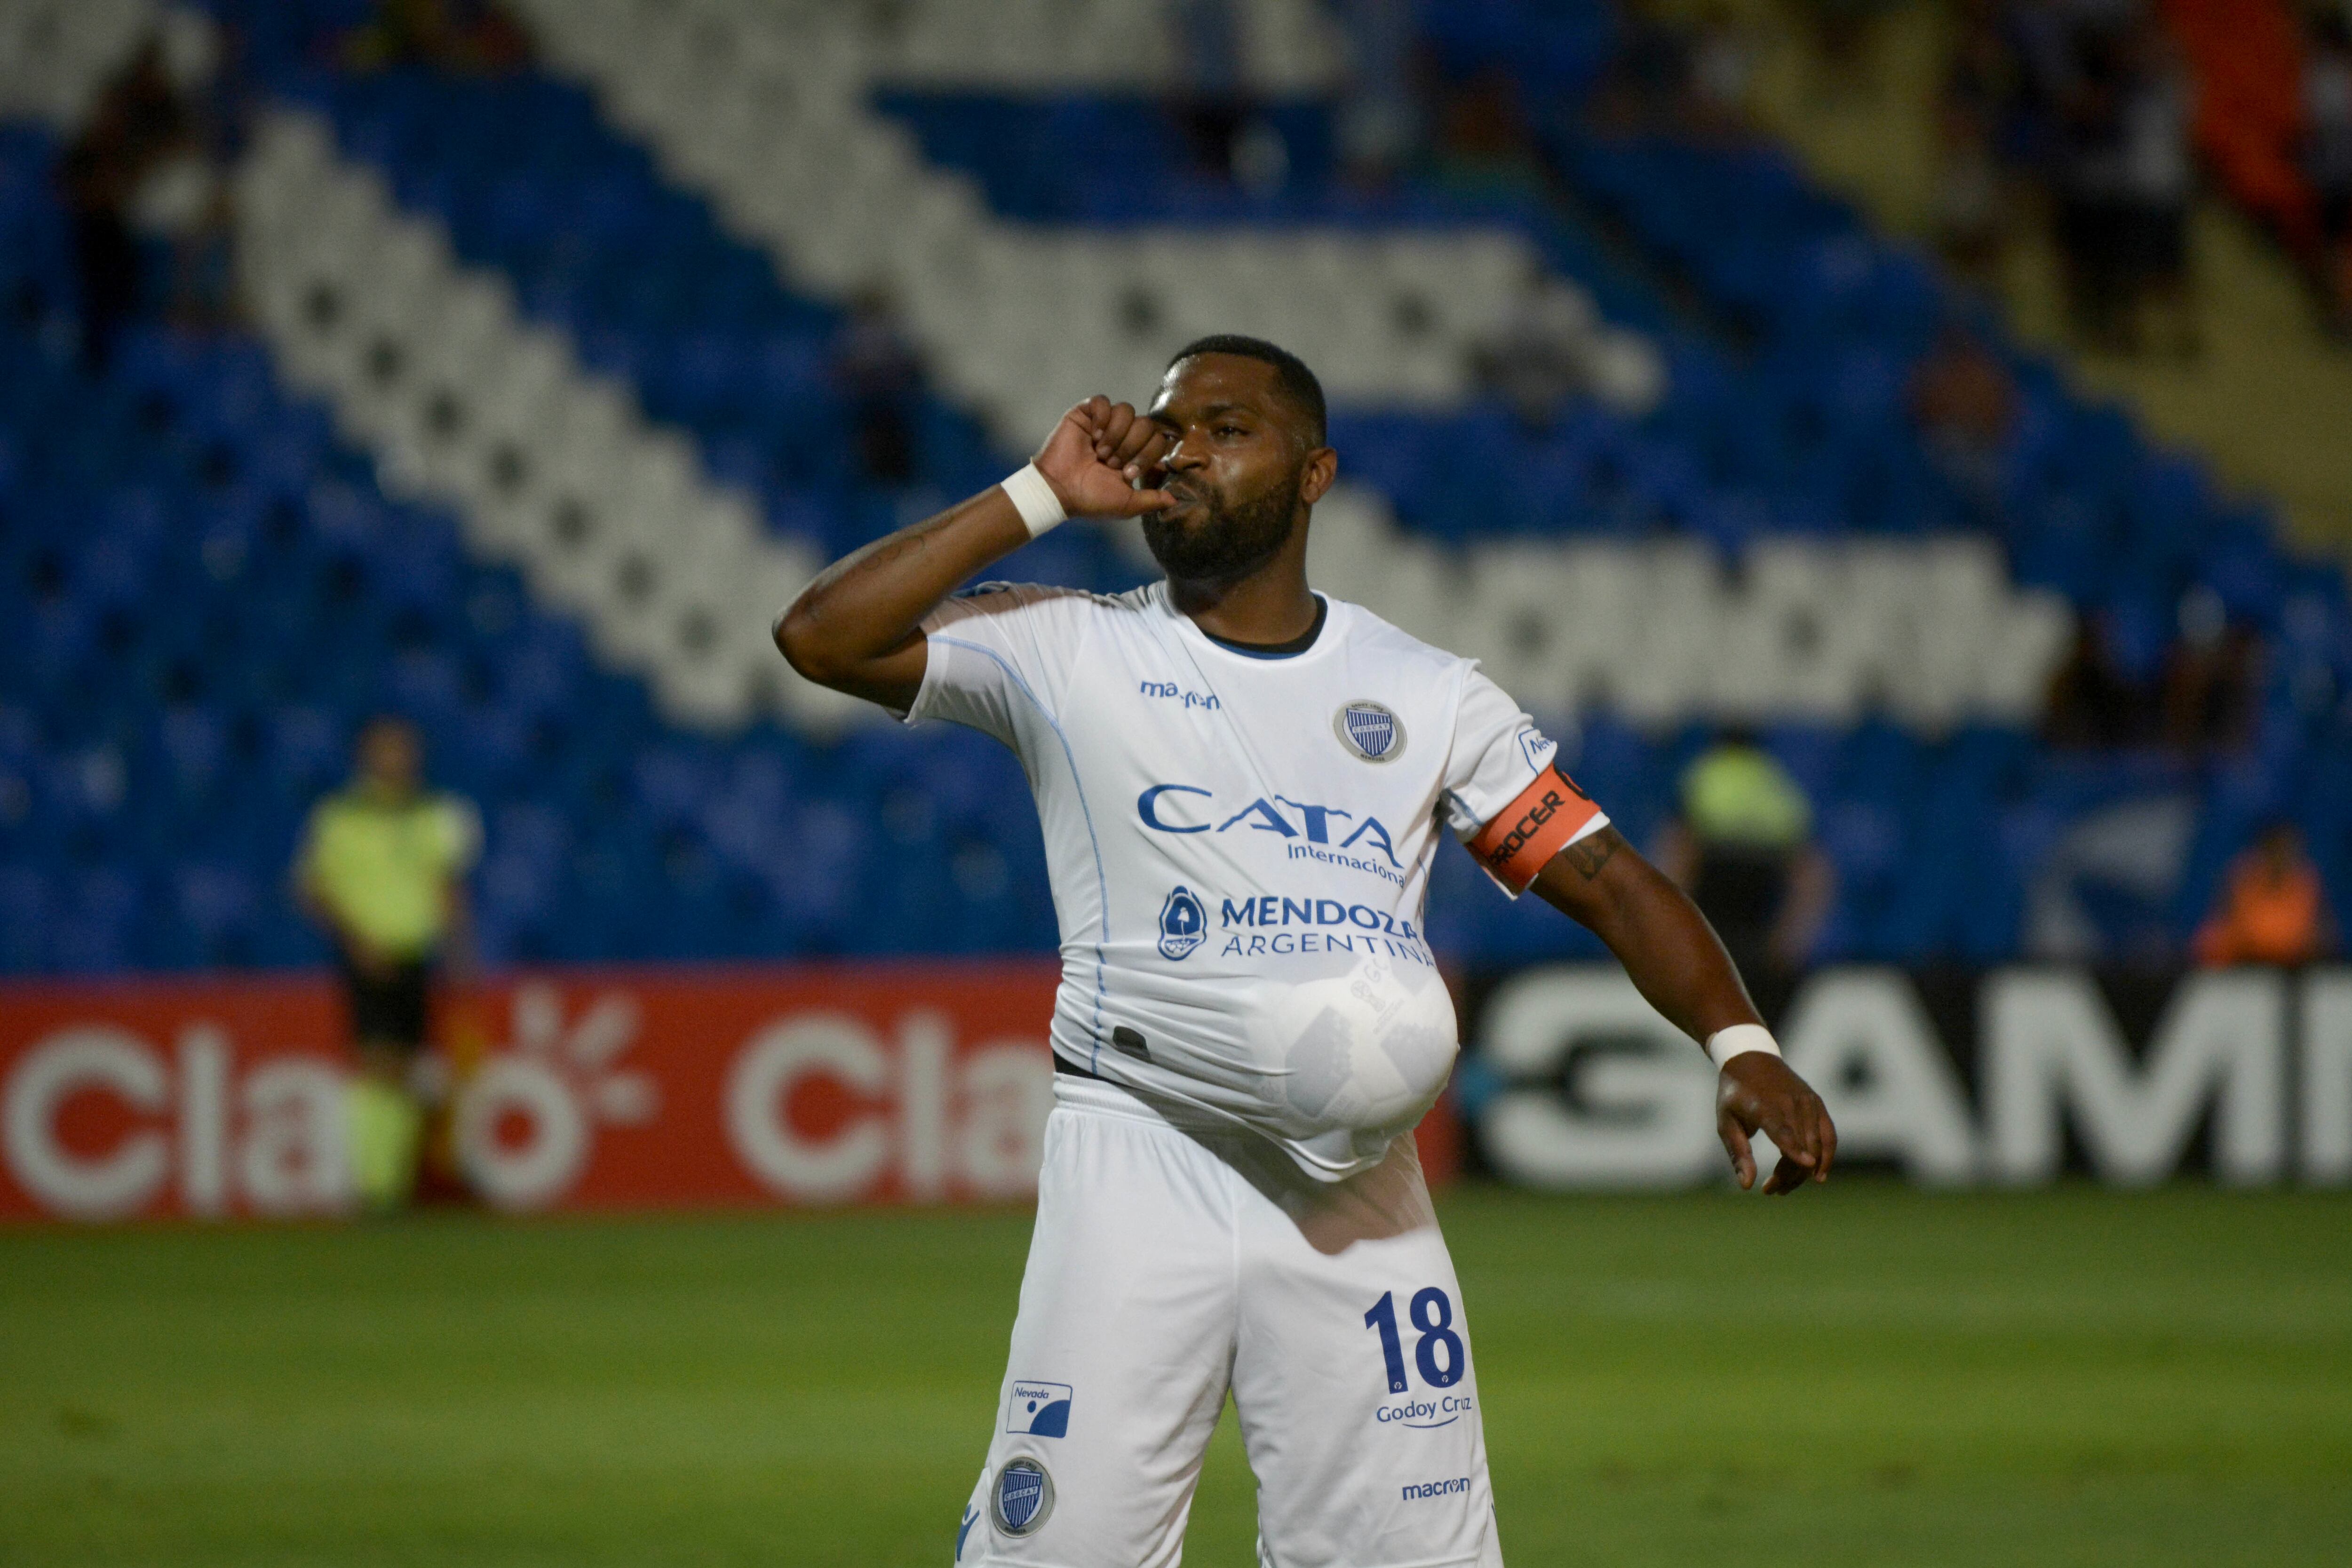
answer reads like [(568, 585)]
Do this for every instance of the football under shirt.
[(1239, 845)]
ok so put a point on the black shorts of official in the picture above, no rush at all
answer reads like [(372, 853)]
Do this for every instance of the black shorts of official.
[(392, 1008)]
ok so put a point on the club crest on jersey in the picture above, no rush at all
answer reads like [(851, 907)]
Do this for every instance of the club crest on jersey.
[(1023, 1496), (1184, 923), (1370, 731)]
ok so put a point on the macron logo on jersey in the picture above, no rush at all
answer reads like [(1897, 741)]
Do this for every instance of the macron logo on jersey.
[(1281, 815), (1171, 689)]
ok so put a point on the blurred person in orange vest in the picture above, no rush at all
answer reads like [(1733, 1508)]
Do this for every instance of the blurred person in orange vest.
[(2272, 909)]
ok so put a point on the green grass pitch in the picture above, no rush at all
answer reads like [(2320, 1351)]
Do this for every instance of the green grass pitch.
[(1865, 1376)]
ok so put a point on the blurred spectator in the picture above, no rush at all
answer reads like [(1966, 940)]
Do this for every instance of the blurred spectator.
[(2159, 179), (2327, 157), (1690, 74), (1843, 32), (2125, 179), (1649, 73), (1971, 209), (448, 34), (2272, 908), (1742, 850), (1211, 98), (2039, 36), (2209, 678), (1722, 73), (151, 163), (1964, 401), (2090, 208), (139, 121), (2200, 698), (1482, 136), (185, 198), (1553, 347), (1379, 127), (383, 869), (2092, 703), (881, 378)]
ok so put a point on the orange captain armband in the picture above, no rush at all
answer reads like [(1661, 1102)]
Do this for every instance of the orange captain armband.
[(1525, 835)]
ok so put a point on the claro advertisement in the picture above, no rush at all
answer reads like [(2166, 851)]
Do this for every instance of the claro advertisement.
[(930, 1082), (578, 1089)]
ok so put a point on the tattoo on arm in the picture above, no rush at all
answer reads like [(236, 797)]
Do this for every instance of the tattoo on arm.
[(1592, 852)]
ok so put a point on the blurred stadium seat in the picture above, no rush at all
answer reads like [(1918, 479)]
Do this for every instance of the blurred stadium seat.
[(538, 422)]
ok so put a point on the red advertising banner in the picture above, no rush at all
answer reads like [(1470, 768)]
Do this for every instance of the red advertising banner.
[(588, 1089)]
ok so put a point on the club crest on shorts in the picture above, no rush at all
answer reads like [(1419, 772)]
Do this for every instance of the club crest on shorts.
[(1369, 729), (1023, 1496), (1184, 923)]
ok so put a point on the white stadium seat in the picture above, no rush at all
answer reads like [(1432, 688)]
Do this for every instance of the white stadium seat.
[(428, 364), (424, 362)]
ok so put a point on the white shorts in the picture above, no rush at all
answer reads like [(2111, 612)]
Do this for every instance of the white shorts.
[(1172, 1262)]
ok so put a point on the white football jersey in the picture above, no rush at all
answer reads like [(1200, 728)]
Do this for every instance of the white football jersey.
[(1240, 844)]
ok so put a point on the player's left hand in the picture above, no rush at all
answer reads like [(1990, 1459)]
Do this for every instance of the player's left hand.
[(1757, 1090)]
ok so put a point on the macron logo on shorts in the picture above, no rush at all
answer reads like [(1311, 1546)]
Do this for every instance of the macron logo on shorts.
[(1037, 1409), (1420, 1489)]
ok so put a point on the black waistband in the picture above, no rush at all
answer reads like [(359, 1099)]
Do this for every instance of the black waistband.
[(1063, 1064)]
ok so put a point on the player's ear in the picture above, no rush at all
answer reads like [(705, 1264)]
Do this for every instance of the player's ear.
[(1321, 469)]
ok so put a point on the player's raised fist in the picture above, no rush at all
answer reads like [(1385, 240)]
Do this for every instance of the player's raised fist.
[(1098, 456)]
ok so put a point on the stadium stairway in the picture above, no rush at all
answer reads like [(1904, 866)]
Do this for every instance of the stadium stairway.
[(2264, 401)]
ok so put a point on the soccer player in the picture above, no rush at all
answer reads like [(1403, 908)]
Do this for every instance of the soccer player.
[(1242, 784)]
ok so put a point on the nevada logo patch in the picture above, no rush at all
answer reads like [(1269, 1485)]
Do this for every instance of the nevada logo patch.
[(1037, 1409)]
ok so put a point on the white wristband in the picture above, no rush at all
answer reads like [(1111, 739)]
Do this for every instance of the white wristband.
[(1034, 499), (1738, 1040)]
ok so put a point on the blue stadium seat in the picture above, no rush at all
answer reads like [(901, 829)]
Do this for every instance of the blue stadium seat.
[(165, 744)]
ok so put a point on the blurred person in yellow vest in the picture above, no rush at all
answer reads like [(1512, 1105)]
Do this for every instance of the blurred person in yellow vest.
[(1742, 848), (383, 869), (2272, 908)]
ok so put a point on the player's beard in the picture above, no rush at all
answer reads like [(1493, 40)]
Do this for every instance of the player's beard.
[(1230, 541)]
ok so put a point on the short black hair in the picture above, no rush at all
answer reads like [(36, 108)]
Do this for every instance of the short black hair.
[(1290, 373)]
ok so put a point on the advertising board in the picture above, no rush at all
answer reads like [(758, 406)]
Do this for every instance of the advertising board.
[(574, 1089), (2013, 1076), (930, 1082)]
